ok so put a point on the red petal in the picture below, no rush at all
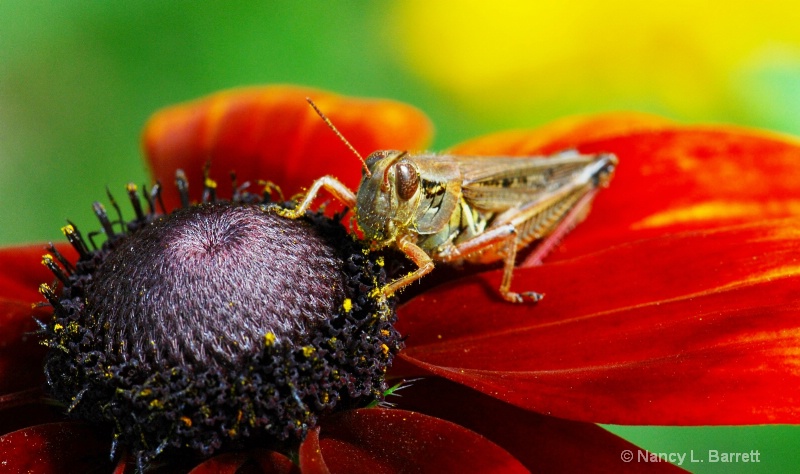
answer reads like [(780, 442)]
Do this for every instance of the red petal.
[(21, 271), (670, 178), (26, 408), (564, 134), (378, 440), (689, 329), (542, 443), (21, 354), (271, 133), (310, 455), (55, 448), (267, 462), (691, 179)]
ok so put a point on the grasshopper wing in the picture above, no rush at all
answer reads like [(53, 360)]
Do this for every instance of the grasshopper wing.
[(496, 184)]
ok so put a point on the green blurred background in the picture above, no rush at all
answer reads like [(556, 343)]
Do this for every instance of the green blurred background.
[(78, 79)]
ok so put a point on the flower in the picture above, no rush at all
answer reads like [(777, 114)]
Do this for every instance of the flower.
[(674, 303)]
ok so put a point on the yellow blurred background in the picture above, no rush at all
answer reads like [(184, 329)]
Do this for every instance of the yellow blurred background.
[(732, 61)]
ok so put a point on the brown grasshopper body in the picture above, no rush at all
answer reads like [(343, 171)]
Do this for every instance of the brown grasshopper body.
[(451, 208)]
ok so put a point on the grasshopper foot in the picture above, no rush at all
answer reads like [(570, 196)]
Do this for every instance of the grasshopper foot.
[(524, 297)]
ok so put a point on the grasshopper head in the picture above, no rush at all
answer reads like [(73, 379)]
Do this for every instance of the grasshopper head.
[(388, 197)]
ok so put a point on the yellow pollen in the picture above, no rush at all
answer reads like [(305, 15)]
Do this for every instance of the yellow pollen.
[(269, 339), (385, 348), (347, 305), (186, 421), (307, 351), (379, 261)]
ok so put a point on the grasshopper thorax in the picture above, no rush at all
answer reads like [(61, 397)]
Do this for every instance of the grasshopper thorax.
[(388, 196)]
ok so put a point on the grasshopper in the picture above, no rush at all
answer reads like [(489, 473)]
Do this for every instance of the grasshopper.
[(481, 209)]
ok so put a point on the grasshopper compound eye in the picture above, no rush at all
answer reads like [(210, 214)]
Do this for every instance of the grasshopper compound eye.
[(407, 180)]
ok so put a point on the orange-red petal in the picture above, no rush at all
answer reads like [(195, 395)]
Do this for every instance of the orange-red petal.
[(542, 443), (21, 271), (379, 440), (698, 328), (21, 354), (670, 178), (57, 448), (271, 133), (562, 134), (261, 461)]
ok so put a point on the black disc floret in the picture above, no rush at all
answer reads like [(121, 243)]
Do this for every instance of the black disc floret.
[(218, 325)]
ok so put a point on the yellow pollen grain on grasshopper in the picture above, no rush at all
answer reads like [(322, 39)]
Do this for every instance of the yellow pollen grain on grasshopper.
[(146, 392), (347, 305), (269, 339), (68, 229), (385, 348), (380, 261), (186, 421), (57, 327), (308, 350), (156, 404), (385, 332)]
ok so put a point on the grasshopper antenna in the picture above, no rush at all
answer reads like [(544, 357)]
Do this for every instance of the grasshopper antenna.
[(338, 134)]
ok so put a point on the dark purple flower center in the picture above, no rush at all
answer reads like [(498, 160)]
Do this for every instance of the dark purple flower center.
[(221, 324), (205, 284)]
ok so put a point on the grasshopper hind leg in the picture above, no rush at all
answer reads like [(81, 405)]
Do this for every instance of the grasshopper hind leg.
[(508, 272), (504, 237)]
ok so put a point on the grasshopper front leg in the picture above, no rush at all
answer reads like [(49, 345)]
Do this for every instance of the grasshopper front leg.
[(416, 255), (330, 184)]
